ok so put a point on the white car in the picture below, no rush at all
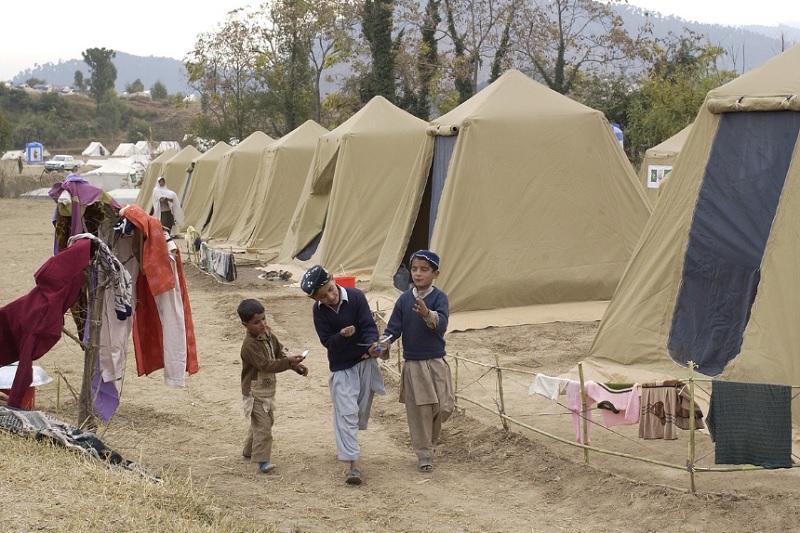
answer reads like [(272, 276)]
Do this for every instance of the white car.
[(61, 163)]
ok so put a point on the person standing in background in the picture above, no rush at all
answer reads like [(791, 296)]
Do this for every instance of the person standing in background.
[(167, 207)]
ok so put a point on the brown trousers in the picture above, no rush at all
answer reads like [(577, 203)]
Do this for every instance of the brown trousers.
[(258, 444), (427, 392)]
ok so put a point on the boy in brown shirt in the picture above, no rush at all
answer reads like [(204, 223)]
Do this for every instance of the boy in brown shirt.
[(262, 357)]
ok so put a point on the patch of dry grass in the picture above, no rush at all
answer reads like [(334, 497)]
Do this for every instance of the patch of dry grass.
[(45, 487)]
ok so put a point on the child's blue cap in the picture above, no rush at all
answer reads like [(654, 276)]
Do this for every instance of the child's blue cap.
[(427, 255)]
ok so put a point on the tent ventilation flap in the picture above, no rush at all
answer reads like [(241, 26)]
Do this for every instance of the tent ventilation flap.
[(734, 104)]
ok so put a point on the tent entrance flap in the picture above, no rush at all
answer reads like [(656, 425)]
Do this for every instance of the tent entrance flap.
[(737, 202), (442, 152)]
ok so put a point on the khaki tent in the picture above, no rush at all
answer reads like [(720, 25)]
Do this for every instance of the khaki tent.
[(359, 171), (154, 169), (715, 275), (236, 171), (200, 187), (270, 202), (527, 197), (658, 162)]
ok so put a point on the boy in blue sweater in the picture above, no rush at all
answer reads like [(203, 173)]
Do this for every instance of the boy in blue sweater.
[(426, 387), (344, 324)]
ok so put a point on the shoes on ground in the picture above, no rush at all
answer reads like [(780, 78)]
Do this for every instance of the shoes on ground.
[(353, 477), (425, 466), (266, 467)]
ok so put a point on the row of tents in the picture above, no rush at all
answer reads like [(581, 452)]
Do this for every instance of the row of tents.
[(530, 201), (125, 149), (525, 193)]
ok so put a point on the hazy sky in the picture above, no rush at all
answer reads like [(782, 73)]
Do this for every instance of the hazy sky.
[(62, 29)]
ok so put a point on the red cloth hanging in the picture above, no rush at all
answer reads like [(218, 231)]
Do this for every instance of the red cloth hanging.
[(31, 324)]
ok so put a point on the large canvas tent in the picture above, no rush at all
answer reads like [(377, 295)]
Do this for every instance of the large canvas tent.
[(527, 197), (200, 187), (237, 169), (714, 278), (144, 200), (270, 202), (658, 162), (359, 171)]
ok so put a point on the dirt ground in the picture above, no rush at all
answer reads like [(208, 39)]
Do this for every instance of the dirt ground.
[(486, 479)]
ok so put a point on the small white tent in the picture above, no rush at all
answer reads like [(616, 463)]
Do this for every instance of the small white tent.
[(114, 174), (95, 149), (144, 148), (163, 146), (125, 150)]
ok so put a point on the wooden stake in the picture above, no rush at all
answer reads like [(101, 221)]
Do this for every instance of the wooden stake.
[(690, 462), (584, 422), (86, 418), (500, 390)]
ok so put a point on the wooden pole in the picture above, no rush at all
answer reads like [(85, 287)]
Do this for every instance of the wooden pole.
[(455, 382), (690, 462), (86, 418), (500, 390), (584, 421)]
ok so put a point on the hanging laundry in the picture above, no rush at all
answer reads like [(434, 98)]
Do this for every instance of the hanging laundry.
[(549, 387), (31, 324), (163, 331), (751, 423)]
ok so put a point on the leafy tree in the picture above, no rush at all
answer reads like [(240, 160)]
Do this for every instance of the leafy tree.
[(333, 26), (476, 28), (6, 129), (222, 69), (326, 29), (286, 67), (158, 91), (110, 113), (671, 93), (79, 83), (103, 73), (33, 82), (44, 127), (376, 26), (417, 60), (499, 64), (135, 87), (609, 92), (563, 40), (138, 130), (49, 102)]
